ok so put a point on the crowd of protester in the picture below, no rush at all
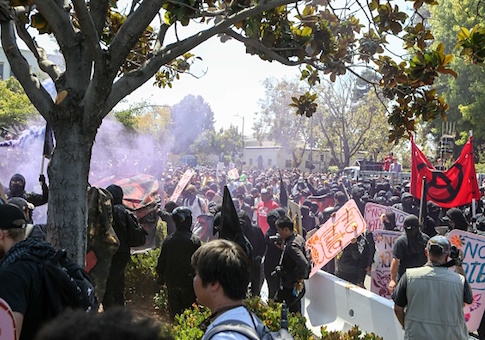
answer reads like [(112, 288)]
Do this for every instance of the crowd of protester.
[(265, 231)]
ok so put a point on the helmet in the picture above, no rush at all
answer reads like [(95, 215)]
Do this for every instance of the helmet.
[(182, 216)]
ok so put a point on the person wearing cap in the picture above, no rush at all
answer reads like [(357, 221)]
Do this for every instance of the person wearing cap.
[(263, 208), (20, 279), (407, 205), (32, 230), (428, 300), (17, 189), (173, 267), (408, 251)]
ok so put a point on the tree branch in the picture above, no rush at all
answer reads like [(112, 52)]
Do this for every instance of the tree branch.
[(88, 28), (261, 47), (130, 32), (39, 97), (59, 21), (40, 54), (98, 10), (131, 81)]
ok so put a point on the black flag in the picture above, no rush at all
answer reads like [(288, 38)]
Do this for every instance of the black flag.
[(283, 193), (48, 141), (230, 229)]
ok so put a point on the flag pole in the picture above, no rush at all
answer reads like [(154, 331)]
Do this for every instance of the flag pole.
[(474, 203), (422, 203)]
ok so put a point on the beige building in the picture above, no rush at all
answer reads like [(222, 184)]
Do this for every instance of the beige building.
[(266, 155)]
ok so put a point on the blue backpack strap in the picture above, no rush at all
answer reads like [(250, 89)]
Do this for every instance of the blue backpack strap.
[(236, 326)]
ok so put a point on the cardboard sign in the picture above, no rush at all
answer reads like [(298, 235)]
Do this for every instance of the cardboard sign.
[(181, 184), (381, 275), (233, 174), (333, 236), (7, 322), (373, 212), (295, 215), (473, 248)]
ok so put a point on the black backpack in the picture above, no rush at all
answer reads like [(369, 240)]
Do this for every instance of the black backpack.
[(136, 236), (66, 284)]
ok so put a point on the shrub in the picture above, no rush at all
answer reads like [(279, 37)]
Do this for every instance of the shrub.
[(354, 334), (140, 275), (333, 169)]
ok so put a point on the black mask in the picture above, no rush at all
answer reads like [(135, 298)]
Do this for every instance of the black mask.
[(16, 189)]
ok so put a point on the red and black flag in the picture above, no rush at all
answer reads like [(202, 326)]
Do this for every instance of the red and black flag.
[(454, 187)]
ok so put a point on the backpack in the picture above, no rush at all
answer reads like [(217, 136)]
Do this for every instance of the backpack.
[(66, 284), (261, 333), (135, 234)]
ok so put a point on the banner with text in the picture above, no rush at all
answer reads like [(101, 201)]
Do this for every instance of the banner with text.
[(373, 212), (473, 248), (381, 275), (336, 234)]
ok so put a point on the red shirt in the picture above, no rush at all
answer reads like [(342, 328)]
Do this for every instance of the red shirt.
[(262, 210)]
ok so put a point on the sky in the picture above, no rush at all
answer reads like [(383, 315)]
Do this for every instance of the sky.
[(231, 86)]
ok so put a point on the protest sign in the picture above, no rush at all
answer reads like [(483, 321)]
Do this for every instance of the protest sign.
[(381, 275), (7, 323), (333, 236), (233, 174), (373, 212), (295, 215), (473, 248), (181, 184)]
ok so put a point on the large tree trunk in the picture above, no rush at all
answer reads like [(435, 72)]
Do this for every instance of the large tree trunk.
[(68, 174)]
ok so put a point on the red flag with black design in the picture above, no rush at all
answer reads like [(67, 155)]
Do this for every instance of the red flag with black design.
[(454, 187)]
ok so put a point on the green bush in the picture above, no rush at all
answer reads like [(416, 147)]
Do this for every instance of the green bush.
[(333, 169), (160, 300), (140, 275), (354, 334)]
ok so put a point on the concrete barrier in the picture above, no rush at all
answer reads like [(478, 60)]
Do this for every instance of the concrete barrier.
[(337, 304)]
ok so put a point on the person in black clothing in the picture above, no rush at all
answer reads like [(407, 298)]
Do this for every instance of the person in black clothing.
[(256, 238), (273, 253), (115, 284), (355, 260), (166, 216), (294, 265), (17, 189), (20, 280), (173, 268), (408, 251)]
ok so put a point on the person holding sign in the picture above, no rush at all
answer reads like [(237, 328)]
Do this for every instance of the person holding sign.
[(428, 301)]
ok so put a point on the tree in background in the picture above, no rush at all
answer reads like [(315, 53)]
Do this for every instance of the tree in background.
[(350, 120), (15, 109), (191, 117), (277, 122), (225, 144), (466, 93)]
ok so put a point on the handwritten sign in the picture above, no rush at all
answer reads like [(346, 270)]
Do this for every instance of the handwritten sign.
[(295, 215), (373, 212), (7, 323), (381, 275), (473, 248), (233, 174), (336, 234), (181, 184)]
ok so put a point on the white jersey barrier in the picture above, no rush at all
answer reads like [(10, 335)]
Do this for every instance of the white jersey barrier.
[(337, 304)]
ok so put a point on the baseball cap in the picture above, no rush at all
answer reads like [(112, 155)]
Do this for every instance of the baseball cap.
[(11, 217), (264, 191), (411, 222), (438, 245), (21, 203)]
